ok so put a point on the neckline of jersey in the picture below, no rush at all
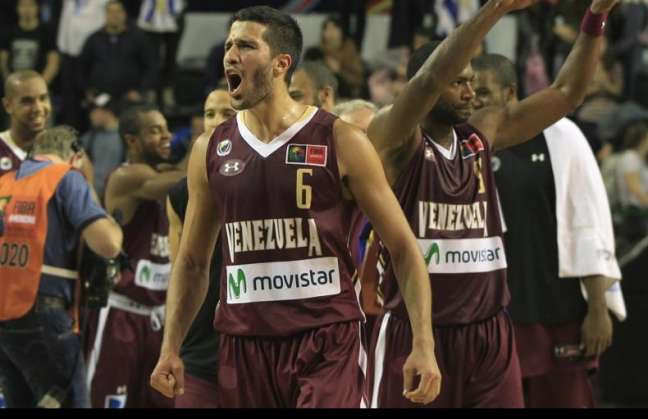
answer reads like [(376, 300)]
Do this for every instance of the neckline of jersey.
[(448, 154), (19, 152), (266, 149)]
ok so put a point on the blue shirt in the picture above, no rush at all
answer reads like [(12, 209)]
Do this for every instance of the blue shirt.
[(69, 211)]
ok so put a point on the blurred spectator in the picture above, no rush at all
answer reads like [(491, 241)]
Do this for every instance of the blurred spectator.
[(353, 17), (341, 56), (163, 22), (29, 45), (603, 97), (78, 20), (632, 48), (422, 36), (118, 59), (452, 13), (315, 85), (632, 171), (102, 143), (356, 112)]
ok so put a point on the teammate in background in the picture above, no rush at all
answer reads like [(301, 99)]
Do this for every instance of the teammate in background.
[(436, 153), (314, 84), (547, 306), (356, 112), (27, 103), (198, 349), (274, 178), (46, 207), (129, 330)]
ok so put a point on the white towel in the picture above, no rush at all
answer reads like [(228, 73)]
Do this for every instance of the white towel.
[(585, 235)]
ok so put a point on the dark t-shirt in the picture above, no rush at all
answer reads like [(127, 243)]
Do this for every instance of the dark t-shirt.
[(527, 191), (28, 49), (200, 348)]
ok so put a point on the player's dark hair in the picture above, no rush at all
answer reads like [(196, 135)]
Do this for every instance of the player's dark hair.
[(282, 33), (502, 68), (419, 57), (130, 119), (321, 75)]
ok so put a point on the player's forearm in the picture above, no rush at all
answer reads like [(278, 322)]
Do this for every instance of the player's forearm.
[(187, 291), (414, 285), (158, 187), (52, 67), (578, 70), (595, 286), (455, 53)]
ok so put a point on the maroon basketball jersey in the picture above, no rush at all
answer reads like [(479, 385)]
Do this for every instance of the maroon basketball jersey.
[(286, 265), (452, 207), (146, 243), (10, 154)]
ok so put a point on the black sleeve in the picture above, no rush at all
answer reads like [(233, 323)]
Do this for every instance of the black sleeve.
[(179, 198), (48, 39)]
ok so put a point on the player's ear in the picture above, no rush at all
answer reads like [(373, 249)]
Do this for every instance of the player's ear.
[(282, 63)]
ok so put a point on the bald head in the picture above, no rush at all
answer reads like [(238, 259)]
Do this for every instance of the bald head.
[(356, 112), (28, 104), (15, 80)]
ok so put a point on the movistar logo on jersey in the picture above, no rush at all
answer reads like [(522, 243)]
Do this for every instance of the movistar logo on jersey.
[(152, 276), (432, 251), (456, 256), (280, 281), (234, 285)]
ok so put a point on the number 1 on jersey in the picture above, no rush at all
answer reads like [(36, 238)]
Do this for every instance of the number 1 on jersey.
[(304, 193)]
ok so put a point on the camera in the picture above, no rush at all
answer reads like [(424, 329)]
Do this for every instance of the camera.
[(98, 277)]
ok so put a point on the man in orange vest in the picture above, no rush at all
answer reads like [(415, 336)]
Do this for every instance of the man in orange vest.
[(46, 207)]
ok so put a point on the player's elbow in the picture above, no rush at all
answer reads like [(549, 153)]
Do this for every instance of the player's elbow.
[(574, 95)]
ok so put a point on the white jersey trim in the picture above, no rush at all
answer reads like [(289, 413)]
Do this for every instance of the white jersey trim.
[(379, 360), (448, 154), (266, 149), (6, 138)]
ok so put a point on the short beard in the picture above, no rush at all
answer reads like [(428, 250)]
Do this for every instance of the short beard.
[(152, 159), (445, 114), (261, 87)]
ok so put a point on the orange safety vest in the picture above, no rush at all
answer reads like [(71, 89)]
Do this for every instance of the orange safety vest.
[(23, 230)]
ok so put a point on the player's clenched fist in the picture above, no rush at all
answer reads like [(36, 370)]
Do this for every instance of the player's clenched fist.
[(421, 362), (168, 376)]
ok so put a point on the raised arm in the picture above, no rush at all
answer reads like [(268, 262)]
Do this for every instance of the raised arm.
[(365, 178), (393, 127), (190, 275), (521, 121)]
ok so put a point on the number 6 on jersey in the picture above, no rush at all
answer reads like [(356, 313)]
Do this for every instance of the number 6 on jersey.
[(304, 193)]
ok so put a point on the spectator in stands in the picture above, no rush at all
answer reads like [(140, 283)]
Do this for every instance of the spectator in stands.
[(102, 143), (118, 59), (78, 21), (29, 45), (632, 170), (632, 46), (341, 56), (314, 84), (163, 22)]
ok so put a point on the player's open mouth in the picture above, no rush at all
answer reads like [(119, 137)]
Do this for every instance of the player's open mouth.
[(234, 82)]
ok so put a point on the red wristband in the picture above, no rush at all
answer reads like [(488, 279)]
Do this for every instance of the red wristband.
[(593, 24)]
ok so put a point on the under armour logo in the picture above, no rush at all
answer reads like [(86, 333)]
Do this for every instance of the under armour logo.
[(538, 157), (232, 167)]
